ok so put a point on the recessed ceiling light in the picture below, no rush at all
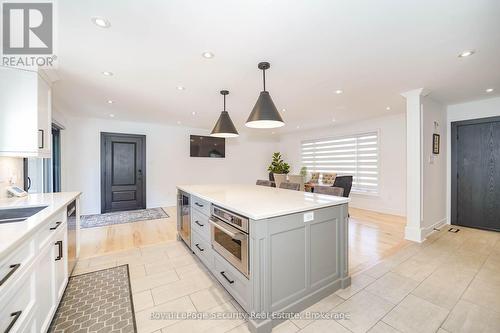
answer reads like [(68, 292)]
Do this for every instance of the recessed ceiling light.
[(106, 73), (298, 126), (489, 90), (101, 22), (273, 132), (334, 120), (467, 53), (180, 88), (388, 108), (193, 113), (111, 115), (207, 55), (284, 110), (339, 91), (178, 122), (110, 101)]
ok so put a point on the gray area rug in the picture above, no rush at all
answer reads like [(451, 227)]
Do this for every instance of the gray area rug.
[(99, 220), (99, 301)]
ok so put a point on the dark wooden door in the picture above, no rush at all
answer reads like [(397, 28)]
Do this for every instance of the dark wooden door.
[(477, 174), (123, 172)]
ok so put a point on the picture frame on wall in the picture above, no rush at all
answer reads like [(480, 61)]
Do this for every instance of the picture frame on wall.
[(435, 143)]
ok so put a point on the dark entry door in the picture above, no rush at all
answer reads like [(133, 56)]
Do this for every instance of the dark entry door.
[(123, 172), (477, 173)]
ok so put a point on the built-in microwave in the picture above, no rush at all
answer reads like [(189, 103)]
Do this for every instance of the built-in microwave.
[(229, 235)]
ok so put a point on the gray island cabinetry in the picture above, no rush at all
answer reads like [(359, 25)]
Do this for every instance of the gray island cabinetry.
[(275, 251)]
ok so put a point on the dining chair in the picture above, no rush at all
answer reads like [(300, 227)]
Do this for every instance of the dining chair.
[(330, 190), (263, 182), (279, 178), (345, 182), (297, 179), (290, 186)]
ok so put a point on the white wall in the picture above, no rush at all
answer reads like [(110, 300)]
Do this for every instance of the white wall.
[(11, 173), (472, 110), (434, 183), (167, 160), (392, 137)]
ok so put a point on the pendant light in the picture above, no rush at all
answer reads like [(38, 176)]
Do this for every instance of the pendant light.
[(264, 113), (224, 127)]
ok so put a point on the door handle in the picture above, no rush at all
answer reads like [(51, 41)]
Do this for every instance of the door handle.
[(234, 235), (199, 248), (60, 255), (13, 268), (16, 316), (57, 225), (198, 204), (198, 223), (225, 277)]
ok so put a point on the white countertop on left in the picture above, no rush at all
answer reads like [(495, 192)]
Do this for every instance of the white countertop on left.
[(14, 233)]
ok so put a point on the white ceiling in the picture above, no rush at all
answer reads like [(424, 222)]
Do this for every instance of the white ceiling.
[(372, 50)]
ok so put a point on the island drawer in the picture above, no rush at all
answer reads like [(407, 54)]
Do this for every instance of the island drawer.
[(201, 205), (200, 224), (234, 282), (202, 249)]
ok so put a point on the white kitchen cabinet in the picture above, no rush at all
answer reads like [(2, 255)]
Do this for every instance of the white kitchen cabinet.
[(30, 295), (25, 114), (45, 287)]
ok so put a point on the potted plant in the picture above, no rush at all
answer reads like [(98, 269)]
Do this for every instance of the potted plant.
[(277, 166)]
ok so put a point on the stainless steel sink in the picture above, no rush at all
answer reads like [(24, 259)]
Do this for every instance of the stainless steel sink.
[(9, 215)]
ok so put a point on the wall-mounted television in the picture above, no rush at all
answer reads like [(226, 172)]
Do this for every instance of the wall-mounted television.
[(207, 146)]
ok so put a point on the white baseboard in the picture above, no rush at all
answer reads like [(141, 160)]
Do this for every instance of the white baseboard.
[(428, 230), (419, 235)]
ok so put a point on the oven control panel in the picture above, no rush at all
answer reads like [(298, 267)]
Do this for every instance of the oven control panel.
[(231, 218)]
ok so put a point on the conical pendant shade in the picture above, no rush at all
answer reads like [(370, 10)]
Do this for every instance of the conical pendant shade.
[(264, 113), (224, 127)]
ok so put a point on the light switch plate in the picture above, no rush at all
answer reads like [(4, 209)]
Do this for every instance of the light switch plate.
[(309, 216)]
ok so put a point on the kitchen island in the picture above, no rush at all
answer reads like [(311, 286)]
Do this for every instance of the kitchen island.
[(276, 251)]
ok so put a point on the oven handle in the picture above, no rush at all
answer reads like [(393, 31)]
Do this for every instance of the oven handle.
[(233, 235)]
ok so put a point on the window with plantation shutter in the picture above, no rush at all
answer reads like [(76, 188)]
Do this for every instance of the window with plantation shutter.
[(355, 155)]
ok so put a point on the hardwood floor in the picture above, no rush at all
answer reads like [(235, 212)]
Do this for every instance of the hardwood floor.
[(372, 236)]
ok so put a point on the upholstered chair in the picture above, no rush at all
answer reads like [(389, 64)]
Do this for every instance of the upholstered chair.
[(290, 186), (314, 178), (263, 182), (297, 179), (330, 190)]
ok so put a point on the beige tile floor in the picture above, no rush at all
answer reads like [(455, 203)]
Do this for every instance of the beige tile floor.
[(450, 283)]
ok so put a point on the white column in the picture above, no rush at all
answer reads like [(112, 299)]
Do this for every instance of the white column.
[(413, 165)]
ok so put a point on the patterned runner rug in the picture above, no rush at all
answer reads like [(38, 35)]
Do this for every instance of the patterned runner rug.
[(99, 220), (99, 301)]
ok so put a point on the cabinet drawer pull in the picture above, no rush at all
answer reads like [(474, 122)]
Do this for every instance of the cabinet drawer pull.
[(198, 204), (55, 227), (60, 255), (43, 143), (16, 316), (13, 268), (225, 277), (198, 223), (199, 248)]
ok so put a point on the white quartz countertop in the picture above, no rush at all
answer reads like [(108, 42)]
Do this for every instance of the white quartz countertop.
[(261, 202), (14, 233)]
